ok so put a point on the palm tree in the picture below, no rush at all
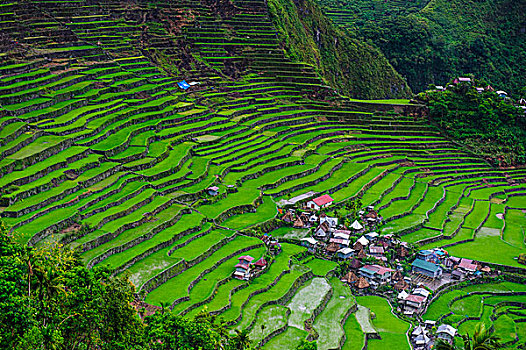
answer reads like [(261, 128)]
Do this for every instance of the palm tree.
[(241, 340), (205, 316), (482, 339), (165, 305), (50, 282)]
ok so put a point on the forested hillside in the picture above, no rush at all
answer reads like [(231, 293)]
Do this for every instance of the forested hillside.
[(430, 41), (355, 68), (491, 126)]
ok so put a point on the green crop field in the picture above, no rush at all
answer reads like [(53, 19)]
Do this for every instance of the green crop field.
[(493, 304), (101, 150)]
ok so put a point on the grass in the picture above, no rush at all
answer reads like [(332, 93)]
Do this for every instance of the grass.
[(514, 232), (205, 287), (355, 339), (289, 232), (266, 211), (129, 120), (470, 305), (403, 205), (270, 318), (391, 329), (488, 247), (289, 339), (277, 291), (327, 324), (321, 267), (177, 286), (247, 196), (306, 300), (160, 260)]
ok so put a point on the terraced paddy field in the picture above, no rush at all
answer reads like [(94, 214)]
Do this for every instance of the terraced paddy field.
[(101, 149), (392, 331), (500, 304)]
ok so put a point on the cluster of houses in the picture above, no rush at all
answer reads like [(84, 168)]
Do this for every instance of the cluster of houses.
[(376, 261), (330, 238), (373, 276), (433, 263), (247, 269), (347, 243), (467, 80), (422, 337), (429, 265), (375, 247), (272, 244)]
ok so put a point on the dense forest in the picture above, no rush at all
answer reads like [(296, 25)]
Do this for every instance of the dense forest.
[(50, 300), (491, 126), (431, 41)]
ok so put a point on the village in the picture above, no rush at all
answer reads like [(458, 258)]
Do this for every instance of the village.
[(372, 264), (480, 89)]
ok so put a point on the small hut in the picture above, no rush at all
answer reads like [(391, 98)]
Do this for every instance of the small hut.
[(332, 248), (362, 283), (361, 254), (401, 285), (299, 223), (350, 277)]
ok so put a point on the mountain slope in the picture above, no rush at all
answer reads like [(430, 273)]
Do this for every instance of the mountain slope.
[(431, 41), (355, 68)]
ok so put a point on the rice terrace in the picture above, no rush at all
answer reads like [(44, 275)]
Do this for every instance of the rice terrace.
[(196, 151)]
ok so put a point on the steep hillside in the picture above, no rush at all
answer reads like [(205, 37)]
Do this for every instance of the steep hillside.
[(355, 68), (430, 41), (492, 127)]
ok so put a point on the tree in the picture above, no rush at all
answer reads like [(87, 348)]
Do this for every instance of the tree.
[(49, 300), (165, 305), (307, 345), (168, 331), (482, 339), (488, 124), (14, 306), (241, 340)]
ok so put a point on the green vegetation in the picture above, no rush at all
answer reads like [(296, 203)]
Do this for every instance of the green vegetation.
[(489, 307), (50, 300), (482, 338), (492, 127), (391, 329), (354, 68), (429, 41), (160, 189)]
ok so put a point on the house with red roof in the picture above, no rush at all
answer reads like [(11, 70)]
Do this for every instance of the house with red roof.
[(467, 265), (376, 250), (243, 268), (341, 242), (320, 202), (413, 304), (261, 264), (376, 274)]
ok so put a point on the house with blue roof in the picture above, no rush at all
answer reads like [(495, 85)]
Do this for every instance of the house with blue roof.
[(426, 268), (425, 255)]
